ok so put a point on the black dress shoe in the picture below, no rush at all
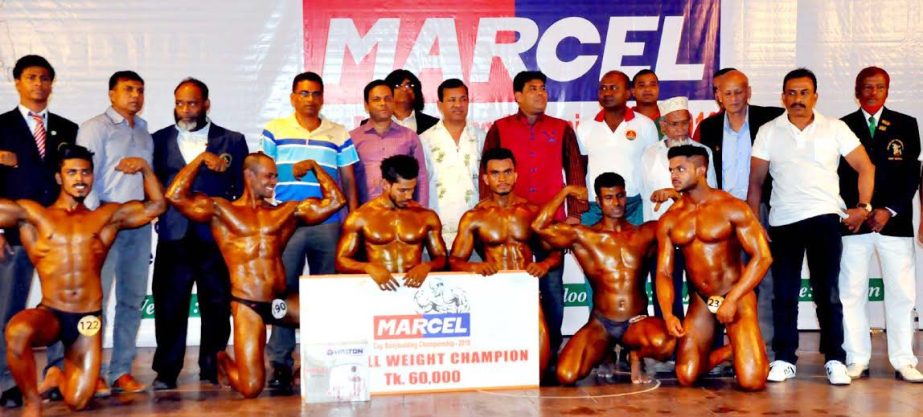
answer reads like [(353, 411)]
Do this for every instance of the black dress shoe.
[(163, 384), (281, 378), (11, 398)]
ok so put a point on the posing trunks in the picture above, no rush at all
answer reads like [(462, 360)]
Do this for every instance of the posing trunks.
[(712, 302), (616, 329), (265, 309), (70, 324)]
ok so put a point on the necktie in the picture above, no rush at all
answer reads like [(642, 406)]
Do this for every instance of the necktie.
[(872, 125), (39, 133)]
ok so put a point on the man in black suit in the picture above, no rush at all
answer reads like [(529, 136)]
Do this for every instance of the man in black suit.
[(892, 141), (29, 140), (186, 251)]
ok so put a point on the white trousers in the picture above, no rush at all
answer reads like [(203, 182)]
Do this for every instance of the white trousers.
[(899, 276)]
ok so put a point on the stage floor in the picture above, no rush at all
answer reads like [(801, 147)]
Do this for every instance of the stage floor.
[(807, 395)]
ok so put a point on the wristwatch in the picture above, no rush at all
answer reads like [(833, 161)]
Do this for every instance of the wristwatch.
[(865, 206)]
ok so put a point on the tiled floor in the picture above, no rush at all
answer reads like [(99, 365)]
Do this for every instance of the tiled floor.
[(808, 395)]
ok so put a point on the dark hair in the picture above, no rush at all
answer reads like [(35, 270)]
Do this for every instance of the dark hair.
[(398, 76), (199, 84), (399, 166), (125, 75), (640, 73), (723, 71), (870, 72), (450, 83), (373, 84), (688, 151), (799, 73), (608, 180), (520, 80), (496, 154), (31, 61), (620, 73), (72, 151), (308, 76)]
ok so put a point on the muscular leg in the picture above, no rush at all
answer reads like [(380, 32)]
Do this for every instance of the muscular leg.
[(647, 338), (750, 360), (81, 370), (28, 328), (544, 350), (692, 357), (582, 352), (245, 372)]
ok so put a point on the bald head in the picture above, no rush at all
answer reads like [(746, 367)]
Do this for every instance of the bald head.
[(734, 92), (256, 161)]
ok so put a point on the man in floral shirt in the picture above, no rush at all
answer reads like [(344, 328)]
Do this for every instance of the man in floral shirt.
[(453, 155)]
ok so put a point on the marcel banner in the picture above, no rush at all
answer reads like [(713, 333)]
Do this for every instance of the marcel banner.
[(458, 331)]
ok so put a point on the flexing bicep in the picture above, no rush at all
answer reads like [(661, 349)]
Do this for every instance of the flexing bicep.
[(11, 213), (198, 207), (558, 235), (134, 214)]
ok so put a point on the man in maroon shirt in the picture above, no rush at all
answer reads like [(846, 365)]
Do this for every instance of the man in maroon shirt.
[(544, 146)]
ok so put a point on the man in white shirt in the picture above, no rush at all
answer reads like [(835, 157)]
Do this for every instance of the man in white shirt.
[(656, 186), (452, 150), (614, 142), (801, 149)]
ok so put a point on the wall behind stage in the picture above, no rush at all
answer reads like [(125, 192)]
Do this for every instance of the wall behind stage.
[(248, 52)]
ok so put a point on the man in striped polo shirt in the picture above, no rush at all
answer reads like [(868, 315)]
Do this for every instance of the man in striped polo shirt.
[(306, 135)]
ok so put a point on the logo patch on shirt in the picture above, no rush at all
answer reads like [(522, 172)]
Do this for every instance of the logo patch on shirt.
[(895, 150)]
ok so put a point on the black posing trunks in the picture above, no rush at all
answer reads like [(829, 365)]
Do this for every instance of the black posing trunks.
[(616, 329), (264, 309), (68, 322)]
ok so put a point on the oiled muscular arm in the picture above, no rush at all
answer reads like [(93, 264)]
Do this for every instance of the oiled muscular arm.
[(560, 235), (665, 294), (753, 240), (435, 246), (198, 207), (348, 247), (311, 211), (11, 213), (136, 213), (464, 246)]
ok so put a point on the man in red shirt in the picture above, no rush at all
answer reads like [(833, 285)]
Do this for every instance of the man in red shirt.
[(546, 154)]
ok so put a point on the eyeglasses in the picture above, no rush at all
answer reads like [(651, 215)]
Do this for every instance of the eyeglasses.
[(409, 86)]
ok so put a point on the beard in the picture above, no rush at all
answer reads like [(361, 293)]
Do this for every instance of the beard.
[(199, 122)]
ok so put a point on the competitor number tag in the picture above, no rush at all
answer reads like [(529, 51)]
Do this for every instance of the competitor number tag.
[(714, 302), (89, 325), (279, 308)]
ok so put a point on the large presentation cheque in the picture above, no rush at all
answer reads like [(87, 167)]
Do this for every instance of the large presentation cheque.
[(458, 331)]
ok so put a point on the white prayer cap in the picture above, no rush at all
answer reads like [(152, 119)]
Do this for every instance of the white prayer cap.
[(673, 104)]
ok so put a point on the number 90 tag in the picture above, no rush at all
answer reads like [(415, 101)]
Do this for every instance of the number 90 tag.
[(279, 308), (89, 325)]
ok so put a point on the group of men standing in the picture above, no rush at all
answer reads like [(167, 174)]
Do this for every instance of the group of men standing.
[(835, 186)]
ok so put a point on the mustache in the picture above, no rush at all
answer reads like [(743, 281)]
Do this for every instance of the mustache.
[(798, 105)]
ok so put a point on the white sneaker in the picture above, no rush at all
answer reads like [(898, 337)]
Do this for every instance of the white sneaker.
[(779, 371), (836, 373), (909, 373), (857, 370)]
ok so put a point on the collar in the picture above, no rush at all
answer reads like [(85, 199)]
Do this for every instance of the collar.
[(727, 122), (25, 112), (323, 123), (788, 123), (525, 120), (877, 114), (412, 117), (368, 127), (117, 118), (201, 132), (629, 115)]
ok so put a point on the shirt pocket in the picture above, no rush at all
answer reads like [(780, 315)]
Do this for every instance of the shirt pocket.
[(826, 152)]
